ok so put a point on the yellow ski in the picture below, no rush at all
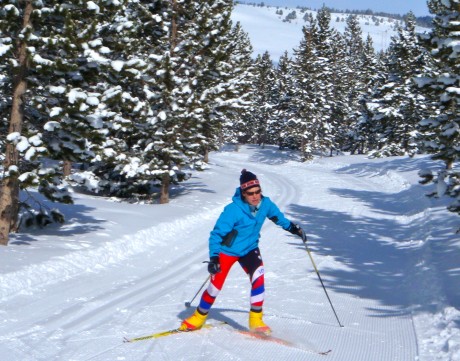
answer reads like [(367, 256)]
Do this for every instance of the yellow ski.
[(167, 333)]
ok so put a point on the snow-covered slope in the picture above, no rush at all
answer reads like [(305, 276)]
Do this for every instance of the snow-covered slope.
[(268, 31), (387, 254)]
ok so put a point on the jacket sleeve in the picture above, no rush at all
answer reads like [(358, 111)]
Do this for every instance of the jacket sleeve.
[(277, 217), (224, 225)]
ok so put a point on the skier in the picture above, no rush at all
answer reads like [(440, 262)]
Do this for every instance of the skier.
[(235, 237)]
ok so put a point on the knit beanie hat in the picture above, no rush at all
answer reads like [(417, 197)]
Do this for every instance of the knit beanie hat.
[(248, 180)]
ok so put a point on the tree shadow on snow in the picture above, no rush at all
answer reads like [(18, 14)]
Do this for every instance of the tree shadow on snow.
[(388, 257), (271, 154), (77, 221), (396, 164)]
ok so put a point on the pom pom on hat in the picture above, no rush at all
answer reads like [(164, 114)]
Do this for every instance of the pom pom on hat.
[(248, 180)]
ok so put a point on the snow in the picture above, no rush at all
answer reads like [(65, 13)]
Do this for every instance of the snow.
[(93, 6), (387, 254), (262, 23), (4, 49), (117, 65), (39, 60)]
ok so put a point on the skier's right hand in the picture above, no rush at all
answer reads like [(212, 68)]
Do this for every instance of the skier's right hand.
[(214, 265)]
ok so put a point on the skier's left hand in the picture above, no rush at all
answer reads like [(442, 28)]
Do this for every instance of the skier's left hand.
[(297, 230)]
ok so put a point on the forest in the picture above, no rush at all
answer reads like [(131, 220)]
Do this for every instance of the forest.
[(123, 98)]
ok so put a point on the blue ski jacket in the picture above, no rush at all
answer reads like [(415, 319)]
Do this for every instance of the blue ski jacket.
[(237, 230)]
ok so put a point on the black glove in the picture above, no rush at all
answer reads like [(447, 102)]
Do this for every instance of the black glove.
[(214, 265), (297, 230)]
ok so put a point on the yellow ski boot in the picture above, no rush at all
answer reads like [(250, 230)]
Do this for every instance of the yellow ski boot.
[(194, 322), (256, 324)]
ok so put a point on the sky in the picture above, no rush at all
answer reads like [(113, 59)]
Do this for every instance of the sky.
[(418, 7), (387, 255)]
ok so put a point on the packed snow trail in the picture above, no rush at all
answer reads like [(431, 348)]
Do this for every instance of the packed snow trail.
[(363, 233)]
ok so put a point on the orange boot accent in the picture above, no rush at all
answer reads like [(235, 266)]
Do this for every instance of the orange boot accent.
[(256, 324), (194, 322)]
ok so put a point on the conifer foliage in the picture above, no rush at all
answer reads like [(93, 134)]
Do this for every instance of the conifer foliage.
[(134, 92), (397, 107), (442, 84), (46, 62)]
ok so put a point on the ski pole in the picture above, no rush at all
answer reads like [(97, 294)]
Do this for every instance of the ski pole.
[(188, 304), (322, 284)]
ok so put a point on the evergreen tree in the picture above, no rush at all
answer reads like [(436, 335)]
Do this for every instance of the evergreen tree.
[(284, 112), (342, 89), (46, 66), (442, 84), (398, 107), (354, 70), (325, 121), (265, 95), (243, 75), (165, 102), (307, 97), (361, 136)]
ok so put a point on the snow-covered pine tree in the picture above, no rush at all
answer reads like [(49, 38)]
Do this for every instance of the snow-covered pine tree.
[(283, 134), (45, 65), (165, 85), (397, 106), (171, 119), (363, 137), (265, 97), (215, 95), (306, 100), (354, 80), (323, 121), (339, 121), (128, 166), (242, 75), (442, 85)]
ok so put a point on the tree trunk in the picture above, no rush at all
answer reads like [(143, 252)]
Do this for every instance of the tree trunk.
[(9, 197), (164, 192), (206, 154), (67, 168), (174, 27)]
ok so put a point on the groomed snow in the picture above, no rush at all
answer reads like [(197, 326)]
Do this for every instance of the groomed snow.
[(388, 256)]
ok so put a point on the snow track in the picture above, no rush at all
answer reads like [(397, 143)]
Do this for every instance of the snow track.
[(79, 305)]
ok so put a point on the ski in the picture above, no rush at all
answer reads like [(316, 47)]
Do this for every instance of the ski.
[(168, 333), (255, 335), (270, 338)]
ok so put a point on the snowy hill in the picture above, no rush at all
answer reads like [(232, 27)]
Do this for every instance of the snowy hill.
[(269, 32), (388, 256)]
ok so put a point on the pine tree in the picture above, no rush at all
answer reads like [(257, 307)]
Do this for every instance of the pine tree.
[(341, 105), (264, 100), (46, 64), (353, 81), (283, 134), (442, 84), (306, 100), (325, 122), (242, 77), (398, 107), (129, 165), (363, 135), (165, 90), (216, 96)]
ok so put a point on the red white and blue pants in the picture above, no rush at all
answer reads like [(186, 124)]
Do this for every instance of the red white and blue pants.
[(252, 264)]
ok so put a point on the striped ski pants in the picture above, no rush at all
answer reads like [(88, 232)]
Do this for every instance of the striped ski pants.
[(252, 264)]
